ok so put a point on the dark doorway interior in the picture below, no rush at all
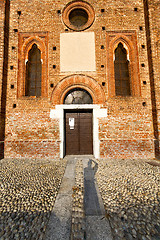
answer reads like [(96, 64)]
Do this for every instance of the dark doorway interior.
[(78, 132)]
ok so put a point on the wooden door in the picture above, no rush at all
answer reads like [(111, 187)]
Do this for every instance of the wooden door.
[(78, 132)]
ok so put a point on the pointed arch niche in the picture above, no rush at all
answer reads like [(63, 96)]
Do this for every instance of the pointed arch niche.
[(121, 71), (29, 43), (33, 72), (122, 55)]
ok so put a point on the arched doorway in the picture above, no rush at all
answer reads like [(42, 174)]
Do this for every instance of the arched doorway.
[(63, 89), (78, 124)]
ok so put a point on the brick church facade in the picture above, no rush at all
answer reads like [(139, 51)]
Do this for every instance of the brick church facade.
[(79, 77)]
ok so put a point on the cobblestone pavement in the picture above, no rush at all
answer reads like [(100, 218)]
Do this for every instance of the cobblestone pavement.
[(130, 190), (28, 192)]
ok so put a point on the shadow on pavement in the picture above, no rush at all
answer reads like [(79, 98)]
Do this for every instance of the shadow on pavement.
[(91, 201)]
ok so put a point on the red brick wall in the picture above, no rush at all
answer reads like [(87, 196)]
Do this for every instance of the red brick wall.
[(2, 22), (128, 122), (32, 133), (127, 132), (2, 14), (153, 40)]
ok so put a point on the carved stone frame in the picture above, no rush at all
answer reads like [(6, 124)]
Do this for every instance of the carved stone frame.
[(26, 41), (129, 40)]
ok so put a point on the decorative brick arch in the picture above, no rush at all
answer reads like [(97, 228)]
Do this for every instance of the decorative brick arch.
[(78, 81), (26, 41), (28, 45), (129, 41)]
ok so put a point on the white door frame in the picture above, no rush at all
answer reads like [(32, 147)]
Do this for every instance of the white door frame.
[(58, 113)]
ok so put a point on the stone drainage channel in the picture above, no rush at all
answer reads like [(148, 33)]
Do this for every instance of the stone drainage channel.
[(78, 212)]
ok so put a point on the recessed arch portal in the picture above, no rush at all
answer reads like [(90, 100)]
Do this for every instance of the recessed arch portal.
[(91, 87)]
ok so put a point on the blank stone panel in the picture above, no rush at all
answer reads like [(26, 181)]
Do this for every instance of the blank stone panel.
[(77, 52)]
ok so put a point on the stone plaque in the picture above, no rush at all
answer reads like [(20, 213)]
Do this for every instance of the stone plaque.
[(77, 52)]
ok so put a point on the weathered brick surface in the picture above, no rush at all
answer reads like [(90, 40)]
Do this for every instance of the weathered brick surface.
[(32, 149), (126, 149), (128, 130), (2, 9), (2, 18), (153, 40)]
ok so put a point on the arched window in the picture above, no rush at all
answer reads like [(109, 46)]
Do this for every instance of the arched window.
[(33, 72), (78, 96), (121, 71)]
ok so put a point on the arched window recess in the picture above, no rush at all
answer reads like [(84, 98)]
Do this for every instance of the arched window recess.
[(33, 77), (33, 65), (123, 74), (122, 71), (125, 47)]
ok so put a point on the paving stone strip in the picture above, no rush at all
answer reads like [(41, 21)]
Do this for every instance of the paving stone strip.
[(59, 225), (78, 215)]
